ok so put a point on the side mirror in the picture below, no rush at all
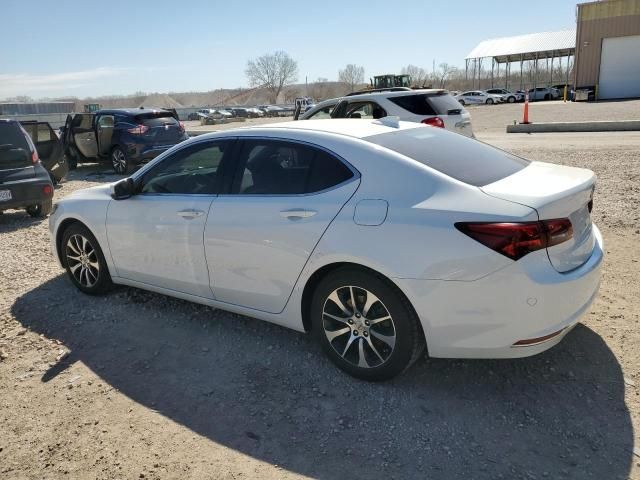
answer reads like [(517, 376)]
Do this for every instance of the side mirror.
[(123, 189)]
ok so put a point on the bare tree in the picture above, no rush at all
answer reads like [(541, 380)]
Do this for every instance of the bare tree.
[(352, 75), (419, 76), (272, 71), (444, 71)]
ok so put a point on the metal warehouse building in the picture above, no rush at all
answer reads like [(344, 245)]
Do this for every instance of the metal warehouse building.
[(607, 55)]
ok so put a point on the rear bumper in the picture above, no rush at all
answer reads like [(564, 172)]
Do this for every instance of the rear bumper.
[(526, 300), (25, 193)]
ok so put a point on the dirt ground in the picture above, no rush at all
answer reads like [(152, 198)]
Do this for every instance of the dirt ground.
[(138, 385)]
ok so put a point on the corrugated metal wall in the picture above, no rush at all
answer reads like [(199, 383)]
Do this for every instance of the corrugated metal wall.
[(36, 108), (598, 20)]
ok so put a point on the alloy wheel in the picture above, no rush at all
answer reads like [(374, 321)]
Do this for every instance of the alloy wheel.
[(358, 326), (119, 161), (82, 260)]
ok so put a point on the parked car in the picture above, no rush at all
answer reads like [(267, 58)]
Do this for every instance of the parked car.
[(254, 112), (507, 95), (49, 148), (543, 93), (24, 181), (224, 113), (127, 137), (383, 237), (478, 97), (431, 107), (271, 110), (239, 112)]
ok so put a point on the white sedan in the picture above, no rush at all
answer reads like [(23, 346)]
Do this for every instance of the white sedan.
[(380, 237), (478, 97)]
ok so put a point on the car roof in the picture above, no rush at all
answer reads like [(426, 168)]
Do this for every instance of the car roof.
[(131, 111), (348, 127)]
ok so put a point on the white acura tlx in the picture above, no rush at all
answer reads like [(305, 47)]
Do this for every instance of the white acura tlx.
[(380, 237)]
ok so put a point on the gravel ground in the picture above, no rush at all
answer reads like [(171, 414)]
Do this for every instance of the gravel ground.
[(138, 385)]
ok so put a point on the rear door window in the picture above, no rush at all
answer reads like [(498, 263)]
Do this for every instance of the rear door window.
[(276, 167), (466, 160), (15, 151)]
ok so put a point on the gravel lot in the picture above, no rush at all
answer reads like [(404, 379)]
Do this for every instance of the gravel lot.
[(138, 385)]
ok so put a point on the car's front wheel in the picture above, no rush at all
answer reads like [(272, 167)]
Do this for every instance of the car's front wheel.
[(365, 325), (120, 162), (84, 260), (511, 99)]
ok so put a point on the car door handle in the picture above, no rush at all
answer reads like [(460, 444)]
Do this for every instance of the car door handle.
[(297, 213), (190, 213)]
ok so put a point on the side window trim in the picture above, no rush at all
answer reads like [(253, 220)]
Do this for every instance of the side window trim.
[(236, 177)]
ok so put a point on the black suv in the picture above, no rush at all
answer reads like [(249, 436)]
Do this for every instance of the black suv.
[(127, 137), (24, 182)]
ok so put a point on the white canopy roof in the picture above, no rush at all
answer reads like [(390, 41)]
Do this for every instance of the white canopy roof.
[(511, 49)]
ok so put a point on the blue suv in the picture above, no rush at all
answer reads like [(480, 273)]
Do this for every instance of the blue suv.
[(127, 137)]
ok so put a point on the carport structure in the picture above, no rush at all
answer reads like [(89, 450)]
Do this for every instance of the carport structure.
[(531, 48)]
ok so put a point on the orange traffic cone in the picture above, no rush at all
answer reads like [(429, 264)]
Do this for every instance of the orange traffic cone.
[(525, 118)]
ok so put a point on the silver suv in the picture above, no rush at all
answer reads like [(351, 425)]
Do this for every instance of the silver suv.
[(432, 107)]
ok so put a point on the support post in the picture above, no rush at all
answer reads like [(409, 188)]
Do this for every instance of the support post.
[(493, 62), (521, 61)]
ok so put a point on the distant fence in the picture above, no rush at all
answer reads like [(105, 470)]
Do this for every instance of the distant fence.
[(55, 119)]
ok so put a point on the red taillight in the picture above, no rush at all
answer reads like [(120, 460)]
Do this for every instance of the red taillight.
[(181, 127), (515, 240), (47, 190), (434, 122), (139, 130), (34, 157)]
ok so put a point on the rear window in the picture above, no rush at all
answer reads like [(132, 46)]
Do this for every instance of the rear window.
[(156, 119), (428, 104), (464, 159), (445, 103), (15, 151), (416, 104)]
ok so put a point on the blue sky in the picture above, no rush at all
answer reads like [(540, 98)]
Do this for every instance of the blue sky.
[(73, 47)]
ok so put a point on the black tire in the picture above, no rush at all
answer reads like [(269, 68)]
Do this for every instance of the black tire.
[(101, 279), (461, 102), (511, 99), (39, 210), (403, 325), (120, 161), (547, 96), (489, 101)]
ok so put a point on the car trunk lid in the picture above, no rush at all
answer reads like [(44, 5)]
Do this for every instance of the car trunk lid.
[(555, 191)]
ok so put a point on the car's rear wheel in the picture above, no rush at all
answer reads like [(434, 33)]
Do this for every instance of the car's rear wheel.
[(84, 260), (365, 325), (489, 101), (39, 210), (120, 161), (547, 96)]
